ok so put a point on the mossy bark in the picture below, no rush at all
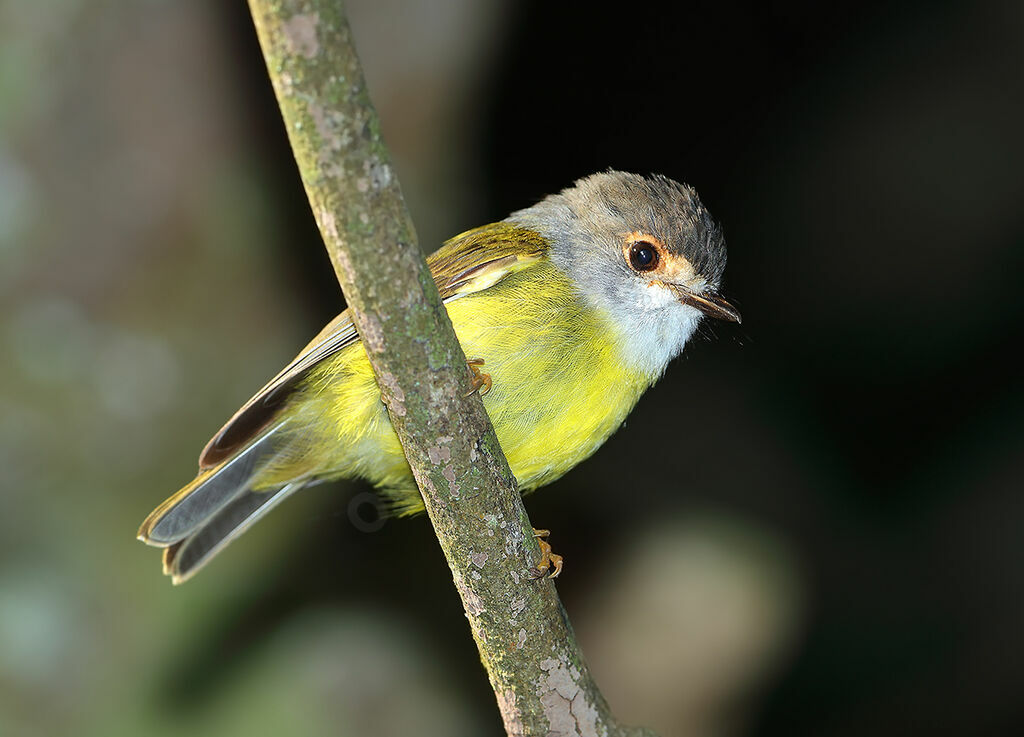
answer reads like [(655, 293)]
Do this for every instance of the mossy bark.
[(542, 685)]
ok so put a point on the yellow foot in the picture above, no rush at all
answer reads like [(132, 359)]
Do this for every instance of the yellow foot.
[(480, 380), (547, 558)]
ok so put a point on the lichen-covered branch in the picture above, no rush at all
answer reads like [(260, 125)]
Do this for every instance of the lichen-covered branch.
[(542, 685)]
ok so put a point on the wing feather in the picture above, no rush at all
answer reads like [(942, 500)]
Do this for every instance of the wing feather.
[(261, 409), (471, 262)]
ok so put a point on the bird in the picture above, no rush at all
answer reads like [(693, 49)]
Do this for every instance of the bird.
[(575, 306)]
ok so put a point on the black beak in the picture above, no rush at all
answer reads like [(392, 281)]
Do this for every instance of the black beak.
[(711, 305)]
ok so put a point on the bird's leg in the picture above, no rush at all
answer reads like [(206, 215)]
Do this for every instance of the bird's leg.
[(547, 558), (480, 381)]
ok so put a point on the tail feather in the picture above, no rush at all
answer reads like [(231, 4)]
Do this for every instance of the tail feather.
[(217, 506), (185, 557), (190, 508)]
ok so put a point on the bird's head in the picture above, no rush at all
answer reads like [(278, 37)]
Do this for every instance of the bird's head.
[(645, 251)]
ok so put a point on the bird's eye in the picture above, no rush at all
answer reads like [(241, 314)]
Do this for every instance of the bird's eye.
[(643, 256)]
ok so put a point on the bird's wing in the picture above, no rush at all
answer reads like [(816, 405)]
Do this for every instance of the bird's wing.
[(480, 258), (257, 413), (468, 263)]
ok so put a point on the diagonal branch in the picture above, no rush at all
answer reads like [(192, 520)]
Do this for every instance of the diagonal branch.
[(542, 685)]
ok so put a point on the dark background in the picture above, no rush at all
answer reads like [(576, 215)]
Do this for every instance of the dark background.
[(825, 539)]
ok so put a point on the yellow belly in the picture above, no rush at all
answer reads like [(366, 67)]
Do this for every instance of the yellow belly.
[(559, 390)]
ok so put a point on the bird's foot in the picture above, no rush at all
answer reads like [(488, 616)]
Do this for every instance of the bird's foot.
[(480, 381), (547, 560)]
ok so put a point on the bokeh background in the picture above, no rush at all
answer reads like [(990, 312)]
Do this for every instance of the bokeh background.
[(811, 526)]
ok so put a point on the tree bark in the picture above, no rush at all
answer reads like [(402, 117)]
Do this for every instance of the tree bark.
[(542, 685)]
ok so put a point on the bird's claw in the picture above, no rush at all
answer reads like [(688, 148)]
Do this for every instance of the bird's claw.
[(480, 381), (548, 559)]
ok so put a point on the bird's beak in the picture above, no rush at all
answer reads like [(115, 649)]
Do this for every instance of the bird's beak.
[(710, 304)]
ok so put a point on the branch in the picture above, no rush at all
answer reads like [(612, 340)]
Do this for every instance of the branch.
[(542, 685)]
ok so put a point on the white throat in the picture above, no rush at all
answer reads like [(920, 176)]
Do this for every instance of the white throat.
[(655, 331)]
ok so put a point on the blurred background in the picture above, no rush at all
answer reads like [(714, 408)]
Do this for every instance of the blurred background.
[(831, 545)]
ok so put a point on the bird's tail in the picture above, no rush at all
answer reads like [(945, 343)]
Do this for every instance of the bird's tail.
[(216, 507)]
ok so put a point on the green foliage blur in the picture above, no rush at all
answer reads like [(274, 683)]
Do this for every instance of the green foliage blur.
[(811, 526)]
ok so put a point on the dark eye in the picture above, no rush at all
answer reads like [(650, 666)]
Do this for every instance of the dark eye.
[(643, 256)]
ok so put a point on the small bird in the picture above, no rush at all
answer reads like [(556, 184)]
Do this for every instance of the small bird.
[(575, 306)]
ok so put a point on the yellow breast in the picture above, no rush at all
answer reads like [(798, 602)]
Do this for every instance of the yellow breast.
[(559, 389)]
